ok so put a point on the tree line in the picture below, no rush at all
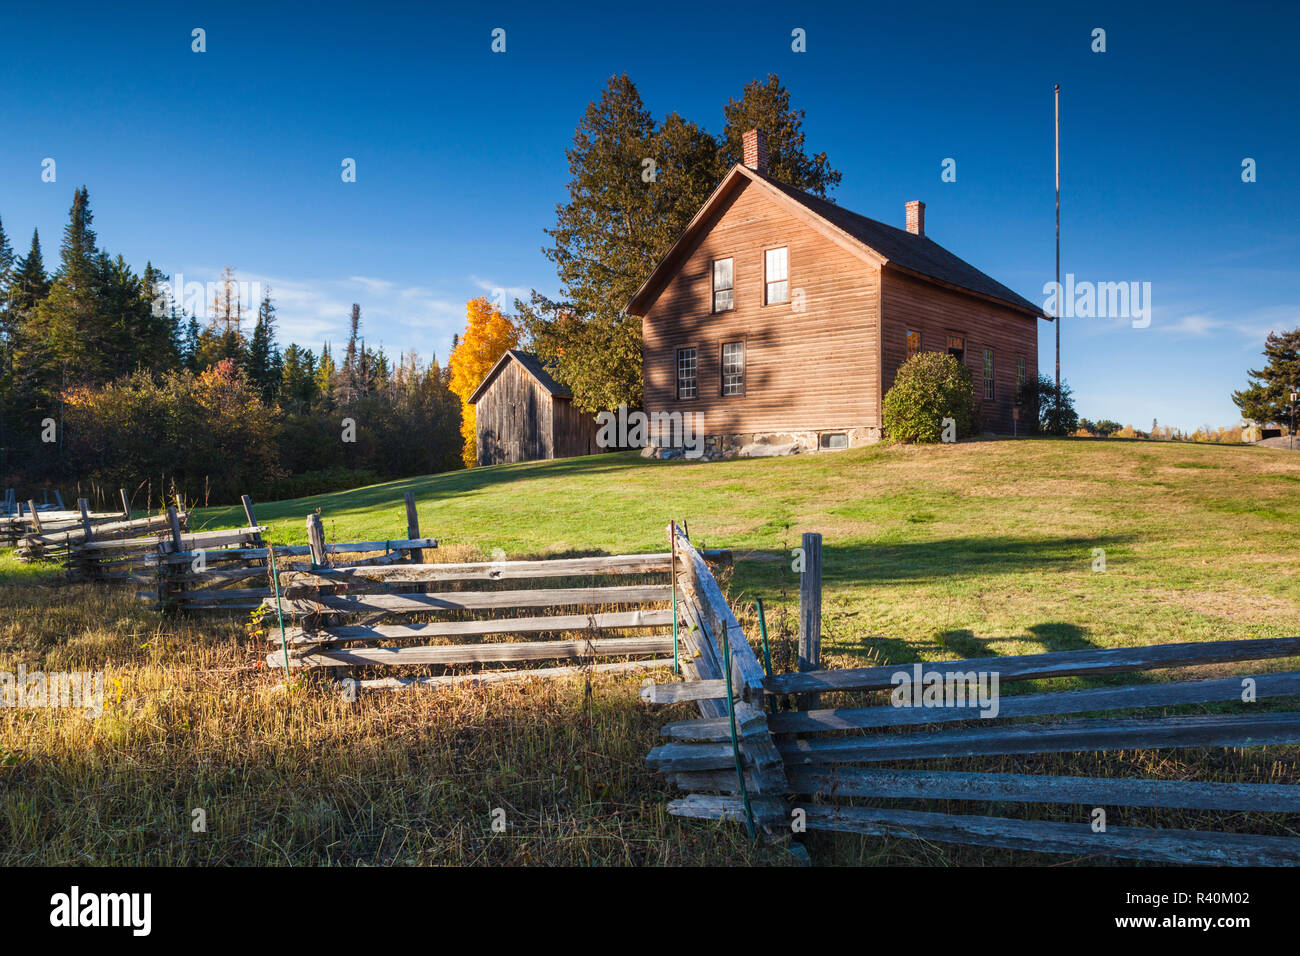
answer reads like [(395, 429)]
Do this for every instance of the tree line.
[(105, 377)]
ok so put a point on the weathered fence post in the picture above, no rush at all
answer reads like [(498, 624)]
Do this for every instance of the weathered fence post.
[(171, 574), (36, 518), (247, 502), (413, 527), (58, 500), (810, 613), (79, 558), (84, 507), (316, 539), (126, 504), (174, 520)]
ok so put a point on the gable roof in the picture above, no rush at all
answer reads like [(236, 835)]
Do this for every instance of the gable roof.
[(874, 241), (531, 364)]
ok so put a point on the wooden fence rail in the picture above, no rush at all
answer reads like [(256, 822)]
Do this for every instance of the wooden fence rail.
[(457, 616)]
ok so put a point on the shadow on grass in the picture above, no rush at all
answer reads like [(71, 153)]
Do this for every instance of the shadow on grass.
[(957, 559)]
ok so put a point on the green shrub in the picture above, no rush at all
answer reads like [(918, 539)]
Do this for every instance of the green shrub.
[(1038, 395), (928, 388)]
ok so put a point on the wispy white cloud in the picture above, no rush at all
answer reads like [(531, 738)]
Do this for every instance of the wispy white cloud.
[(398, 317), (1198, 325), (1252, 325)]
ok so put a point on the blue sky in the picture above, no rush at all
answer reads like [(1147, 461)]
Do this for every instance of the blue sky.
[(233, 156)]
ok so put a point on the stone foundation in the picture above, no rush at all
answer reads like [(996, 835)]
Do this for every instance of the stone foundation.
[(771, 444)]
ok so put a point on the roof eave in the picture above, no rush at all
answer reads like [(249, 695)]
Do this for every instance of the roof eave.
[(921, 276)]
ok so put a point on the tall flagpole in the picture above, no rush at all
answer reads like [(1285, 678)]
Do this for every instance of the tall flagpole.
[(1059, 291)]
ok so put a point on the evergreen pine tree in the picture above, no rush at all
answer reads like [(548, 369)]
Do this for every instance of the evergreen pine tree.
[(766, 106), (190, 347), (6, 273), (6, 262), (325, 378), (78, 254), (262, 360), (28, 283), (1267, 397)]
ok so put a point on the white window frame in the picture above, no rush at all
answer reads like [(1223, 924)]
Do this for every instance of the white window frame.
[(729, 290), (779, 283), (695, 372), (736, 386)]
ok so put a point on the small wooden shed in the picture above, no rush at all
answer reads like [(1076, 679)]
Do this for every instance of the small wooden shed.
[(522, 414)]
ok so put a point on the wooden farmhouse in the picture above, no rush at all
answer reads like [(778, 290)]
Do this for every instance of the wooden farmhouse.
[(522, 414), (782, 318)]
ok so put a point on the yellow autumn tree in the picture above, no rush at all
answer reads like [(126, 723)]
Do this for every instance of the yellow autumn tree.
[(488, 335)]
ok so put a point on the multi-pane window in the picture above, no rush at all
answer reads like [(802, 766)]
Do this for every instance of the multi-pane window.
[(778, 276), (957, 347), (1020, 371), (988, 374), (687, 373), (733, 368), (723, 286), (913, 343)]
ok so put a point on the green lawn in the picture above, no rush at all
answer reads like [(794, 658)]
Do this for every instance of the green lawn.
[(985, 547)]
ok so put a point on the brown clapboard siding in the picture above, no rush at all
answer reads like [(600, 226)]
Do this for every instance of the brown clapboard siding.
[(913, 304), (814, 370), (572, 432)]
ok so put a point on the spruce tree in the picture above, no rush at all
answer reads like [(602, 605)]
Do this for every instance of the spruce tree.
[(6, 273), (262, 360), (78, 254), (28, 283), (6, 262), (190, 344), (1267, 397)]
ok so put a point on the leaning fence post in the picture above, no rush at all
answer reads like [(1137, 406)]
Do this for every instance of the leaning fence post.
[(413, 527), (247, 502), (36, 520), (83, 507), (126, 504), (174, 520), (810, 613), (80, 557)]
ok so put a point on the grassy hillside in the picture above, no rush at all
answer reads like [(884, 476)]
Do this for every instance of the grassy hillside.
[(980, 548), (952, 550)]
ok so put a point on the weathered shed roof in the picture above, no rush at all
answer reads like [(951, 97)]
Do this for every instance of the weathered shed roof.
[(532, 365)]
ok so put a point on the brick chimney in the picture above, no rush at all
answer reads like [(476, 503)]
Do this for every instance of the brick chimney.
[(756, 151), (916, 217)]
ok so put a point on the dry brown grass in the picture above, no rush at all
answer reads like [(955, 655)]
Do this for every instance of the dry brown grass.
[(195, 720)]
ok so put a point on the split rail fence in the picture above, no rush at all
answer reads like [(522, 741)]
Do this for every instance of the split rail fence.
[(749, 757), (446, 624)]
